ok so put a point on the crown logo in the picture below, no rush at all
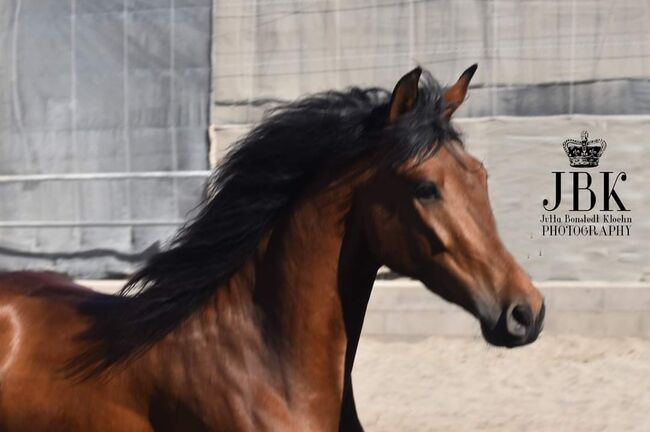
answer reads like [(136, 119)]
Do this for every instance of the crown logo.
[(584, 153)]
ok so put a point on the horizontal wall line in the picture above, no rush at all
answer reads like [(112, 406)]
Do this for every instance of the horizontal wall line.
[(14, 178), (89, 223)]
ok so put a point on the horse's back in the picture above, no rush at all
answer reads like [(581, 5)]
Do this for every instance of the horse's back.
[(38, 313), (38, 321), (31, 282), (39, 307), (39, 327)]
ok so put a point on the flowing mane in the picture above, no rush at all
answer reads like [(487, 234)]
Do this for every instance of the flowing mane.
[(257, 183)]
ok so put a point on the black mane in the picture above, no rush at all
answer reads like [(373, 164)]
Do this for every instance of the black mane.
[(256, 184)]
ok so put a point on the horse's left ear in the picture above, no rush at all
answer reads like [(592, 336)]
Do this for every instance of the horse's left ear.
[(405, 95), (455, 95)]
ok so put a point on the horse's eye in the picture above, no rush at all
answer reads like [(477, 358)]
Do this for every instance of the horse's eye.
[(427, 191)]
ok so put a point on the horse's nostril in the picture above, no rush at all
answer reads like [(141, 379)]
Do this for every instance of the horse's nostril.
[(523, 315), (519, 319)]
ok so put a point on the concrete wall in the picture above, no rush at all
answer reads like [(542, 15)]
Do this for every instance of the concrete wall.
[(406, 308)]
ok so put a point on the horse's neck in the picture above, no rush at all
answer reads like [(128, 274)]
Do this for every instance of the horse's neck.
[(281, 327)]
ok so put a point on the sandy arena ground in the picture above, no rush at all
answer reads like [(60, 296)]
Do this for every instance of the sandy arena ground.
[(560, 383)]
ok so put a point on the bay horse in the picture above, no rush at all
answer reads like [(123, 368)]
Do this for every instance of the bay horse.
[(250, 319)]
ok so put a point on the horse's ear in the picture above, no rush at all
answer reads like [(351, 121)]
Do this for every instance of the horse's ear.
[(455, 95), (405, 95)]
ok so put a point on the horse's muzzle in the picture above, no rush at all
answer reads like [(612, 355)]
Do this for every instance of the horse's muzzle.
[(516, 326)]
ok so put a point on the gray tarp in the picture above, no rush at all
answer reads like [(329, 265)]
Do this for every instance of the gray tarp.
[(99, 86)]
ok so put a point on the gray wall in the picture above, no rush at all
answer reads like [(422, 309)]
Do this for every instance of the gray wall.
[(521, 153), (535, 57), (99, 86), (117, 85)]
